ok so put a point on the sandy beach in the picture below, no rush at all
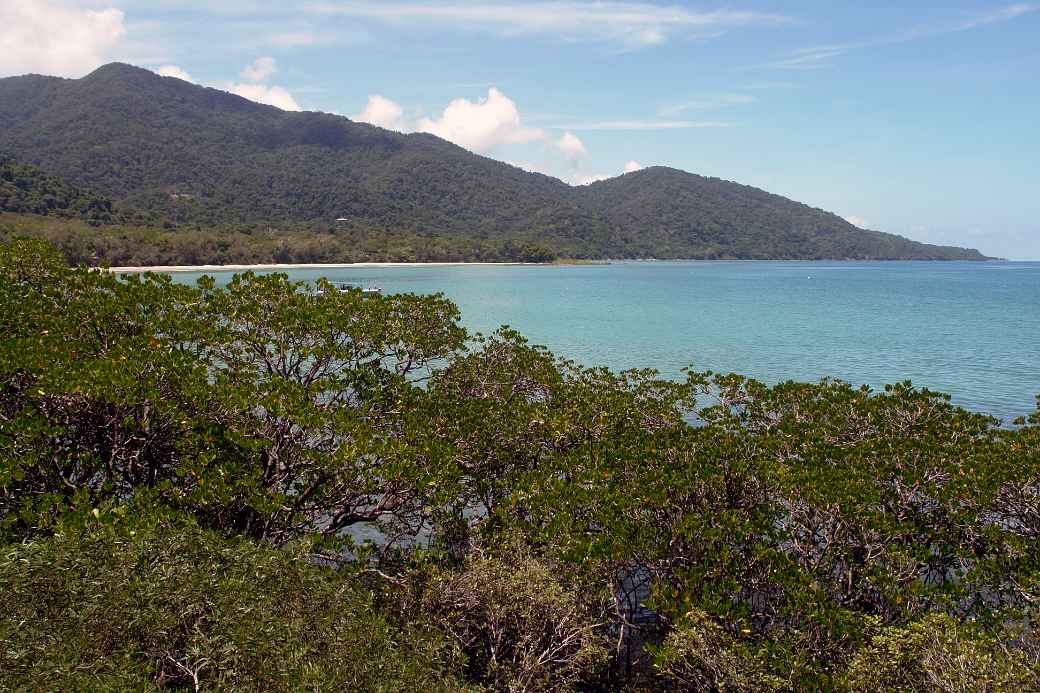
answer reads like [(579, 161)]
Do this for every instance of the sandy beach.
[(245, 268)]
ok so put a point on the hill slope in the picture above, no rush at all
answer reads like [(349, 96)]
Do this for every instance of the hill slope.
[(203, 156), (722, 219), (26, 189)]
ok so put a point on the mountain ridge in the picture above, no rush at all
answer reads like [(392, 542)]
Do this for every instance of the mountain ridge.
[(203, 157)]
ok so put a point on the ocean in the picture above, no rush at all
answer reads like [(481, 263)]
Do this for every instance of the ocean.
[(969, 329)]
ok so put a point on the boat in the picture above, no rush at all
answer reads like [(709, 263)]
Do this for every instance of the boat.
[(344, 287)]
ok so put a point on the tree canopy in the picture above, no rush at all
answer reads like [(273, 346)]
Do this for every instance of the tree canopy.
[(28, 190), (214, 465)]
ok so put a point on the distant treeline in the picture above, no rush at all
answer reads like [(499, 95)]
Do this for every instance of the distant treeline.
[(115, 245)]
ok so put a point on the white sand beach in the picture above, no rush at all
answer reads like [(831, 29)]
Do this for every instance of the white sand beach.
[(245, 268)]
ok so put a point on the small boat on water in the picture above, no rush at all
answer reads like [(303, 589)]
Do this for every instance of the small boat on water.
[(344, 287)]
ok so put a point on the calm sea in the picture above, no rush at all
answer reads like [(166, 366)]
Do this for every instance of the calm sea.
[(970, 329)]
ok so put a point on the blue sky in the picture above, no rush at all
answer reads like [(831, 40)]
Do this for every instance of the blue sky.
[(915, 118)]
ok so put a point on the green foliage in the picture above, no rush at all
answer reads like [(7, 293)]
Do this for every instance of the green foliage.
[(717, 532), (199, 156), (262, 407), (131, 244), (175, 607), (28, 190), (938, 654), (791, 516), (698, 655), (519, 625)]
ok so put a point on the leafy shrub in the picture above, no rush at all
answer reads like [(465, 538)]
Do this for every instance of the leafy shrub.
[(939, 654), (260, 408), (699, 655), (519, 625), (179, 607)]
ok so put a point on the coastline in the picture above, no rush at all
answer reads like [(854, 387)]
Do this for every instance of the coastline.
[(170, 269), (164, 269)]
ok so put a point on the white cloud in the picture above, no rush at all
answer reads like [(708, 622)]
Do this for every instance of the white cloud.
[(810, 58), (857, 221), (255, 88), (46, 37), (764, 86), (588, 179), (305, 35), (645, 125), (632, 167), (706, 102), (1000, 14), (572, 147), (293, 39), (174, 71), (820, 56), (631, 23), (262, 93), (383, 112), (260, 70), (481, 125)]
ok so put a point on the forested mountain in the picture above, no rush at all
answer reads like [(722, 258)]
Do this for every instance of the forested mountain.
[(721, 219), (203, 157)]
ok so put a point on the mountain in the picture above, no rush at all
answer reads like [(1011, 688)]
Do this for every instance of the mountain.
[(203, 157)]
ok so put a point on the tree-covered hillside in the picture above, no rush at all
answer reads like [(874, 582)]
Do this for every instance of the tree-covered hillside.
[(26, 189), (200, 156), (722, 219), (205, 155)]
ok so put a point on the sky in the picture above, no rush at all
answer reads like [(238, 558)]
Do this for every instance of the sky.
[(921, 119)]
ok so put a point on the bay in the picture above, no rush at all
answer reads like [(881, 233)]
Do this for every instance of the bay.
[(969, 329)]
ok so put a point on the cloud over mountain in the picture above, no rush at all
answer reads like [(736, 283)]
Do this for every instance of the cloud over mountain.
[(55, 39), (483, 124)]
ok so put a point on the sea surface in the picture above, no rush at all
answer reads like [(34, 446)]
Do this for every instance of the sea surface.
[(969, 329)]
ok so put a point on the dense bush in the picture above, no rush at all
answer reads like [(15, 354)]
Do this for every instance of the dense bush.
[(258, 408), (699, 654), (938, 654), (520, 626), (556, 526), (176, 607), (796, 516)]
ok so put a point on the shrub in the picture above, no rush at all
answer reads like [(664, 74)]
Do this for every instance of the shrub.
[(182, 608), (519, 625), (939, 654), (700, 655)]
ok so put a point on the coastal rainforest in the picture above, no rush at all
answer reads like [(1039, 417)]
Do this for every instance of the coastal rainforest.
[(265, 486), (185, 158), (91, 229)]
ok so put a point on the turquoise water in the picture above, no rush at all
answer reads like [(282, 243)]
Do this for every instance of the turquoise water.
[(970, 329)]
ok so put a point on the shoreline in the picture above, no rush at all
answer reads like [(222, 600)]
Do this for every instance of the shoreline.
[(170, 269), (163, 269)]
